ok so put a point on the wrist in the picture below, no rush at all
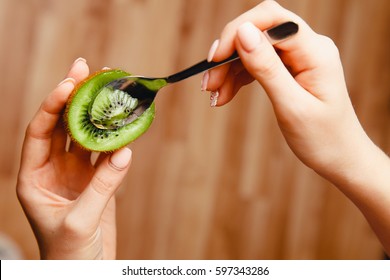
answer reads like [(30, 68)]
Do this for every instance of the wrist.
[(75, 255), (358, 166), (70, 250), (365, 181)]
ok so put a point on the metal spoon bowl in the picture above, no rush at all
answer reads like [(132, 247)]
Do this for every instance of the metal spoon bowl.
[(145, 89)]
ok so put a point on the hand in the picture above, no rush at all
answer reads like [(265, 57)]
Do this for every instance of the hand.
[(68, 201), (303, 77)]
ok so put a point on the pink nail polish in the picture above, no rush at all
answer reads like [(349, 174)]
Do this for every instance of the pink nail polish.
[(79, 59), (212, 50), (205, 81), (120, 159)]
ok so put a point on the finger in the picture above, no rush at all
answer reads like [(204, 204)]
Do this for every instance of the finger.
[(106, 180), (37, 144), (299, 52), (38, 140), (217, 77), (264, 16), (220, 76), (261, 60), (234, 80), (79, 70), (264, 64), (228, 92)]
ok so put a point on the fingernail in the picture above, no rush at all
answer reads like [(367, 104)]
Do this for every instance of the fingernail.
[(214, 98), (205, 81), (212, 50), (120, 159), (67, 80), (79, 59), (249, 36), (106, 68)]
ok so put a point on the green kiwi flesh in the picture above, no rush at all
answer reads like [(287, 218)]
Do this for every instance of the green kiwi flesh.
[(85, 103)]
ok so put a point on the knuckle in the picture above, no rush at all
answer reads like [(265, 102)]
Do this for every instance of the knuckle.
[(324, 53), (229, 28), (329, 48), (101, 186), (34, 130), (217, 77), (31, 128), (270, 5), (329, 44), (268, 68)]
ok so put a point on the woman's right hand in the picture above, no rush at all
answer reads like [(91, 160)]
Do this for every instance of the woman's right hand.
[(303, 77)]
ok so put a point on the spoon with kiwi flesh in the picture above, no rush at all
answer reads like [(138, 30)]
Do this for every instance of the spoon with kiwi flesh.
[(143, 90)]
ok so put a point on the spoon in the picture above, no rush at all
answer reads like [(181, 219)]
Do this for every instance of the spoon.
[(145, 89)]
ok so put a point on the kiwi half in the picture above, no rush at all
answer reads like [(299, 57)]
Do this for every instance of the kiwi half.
[(107, 107)]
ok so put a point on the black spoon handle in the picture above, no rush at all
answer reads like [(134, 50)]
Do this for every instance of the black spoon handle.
[(275, 34), (199, 68)]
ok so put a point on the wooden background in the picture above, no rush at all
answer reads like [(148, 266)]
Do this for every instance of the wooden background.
[(205, 183)]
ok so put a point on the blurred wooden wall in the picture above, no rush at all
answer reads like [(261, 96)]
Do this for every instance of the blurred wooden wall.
[(205, 183)]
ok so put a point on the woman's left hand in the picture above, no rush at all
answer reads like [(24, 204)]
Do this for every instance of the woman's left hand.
[(68, 200)]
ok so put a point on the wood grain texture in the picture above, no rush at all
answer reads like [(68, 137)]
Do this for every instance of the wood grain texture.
[(205, 183)]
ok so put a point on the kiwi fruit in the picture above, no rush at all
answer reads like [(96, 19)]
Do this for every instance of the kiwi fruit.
[(106, 108)]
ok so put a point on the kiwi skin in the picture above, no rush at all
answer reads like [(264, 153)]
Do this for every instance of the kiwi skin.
[(84, 133)]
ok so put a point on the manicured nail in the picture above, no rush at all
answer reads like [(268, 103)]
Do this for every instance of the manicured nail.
[(249, 36), (120, 159), (214, 98), (205, 81), (79, 59), (212, 50), (67, 80)]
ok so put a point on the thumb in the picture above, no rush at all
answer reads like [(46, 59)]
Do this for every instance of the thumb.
[(263, 63), (106, 180)]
